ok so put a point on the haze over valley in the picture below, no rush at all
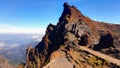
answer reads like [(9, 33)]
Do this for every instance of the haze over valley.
[(14, 45)]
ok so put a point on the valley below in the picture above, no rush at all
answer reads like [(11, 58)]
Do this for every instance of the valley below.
[(13, 46)]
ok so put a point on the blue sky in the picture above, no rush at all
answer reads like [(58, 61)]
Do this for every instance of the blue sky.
[(33, 16)]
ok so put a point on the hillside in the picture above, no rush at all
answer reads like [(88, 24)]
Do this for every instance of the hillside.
[(76, 42)]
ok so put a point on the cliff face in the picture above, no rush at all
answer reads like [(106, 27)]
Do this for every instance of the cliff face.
[(61, 42)]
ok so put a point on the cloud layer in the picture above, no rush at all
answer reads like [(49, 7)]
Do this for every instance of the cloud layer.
[(4, 28)]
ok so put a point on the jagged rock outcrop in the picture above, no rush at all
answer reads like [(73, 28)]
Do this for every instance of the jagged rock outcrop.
[(63, 41), (4, 63)]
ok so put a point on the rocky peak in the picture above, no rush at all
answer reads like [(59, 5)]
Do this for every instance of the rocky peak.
[(63, 41), (72, 20), (70, 13)]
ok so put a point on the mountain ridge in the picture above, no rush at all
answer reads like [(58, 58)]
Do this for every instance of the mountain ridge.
[(74, 30)]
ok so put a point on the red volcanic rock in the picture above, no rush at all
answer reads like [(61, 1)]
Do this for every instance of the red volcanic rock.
[(72, 15)]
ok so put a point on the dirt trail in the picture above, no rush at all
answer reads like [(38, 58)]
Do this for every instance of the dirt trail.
[(103, 56)]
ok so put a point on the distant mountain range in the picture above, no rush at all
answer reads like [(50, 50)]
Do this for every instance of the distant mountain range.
[(14, 45)]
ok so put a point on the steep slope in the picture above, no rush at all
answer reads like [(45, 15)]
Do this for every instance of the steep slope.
[(109, 40), (62, 42)]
